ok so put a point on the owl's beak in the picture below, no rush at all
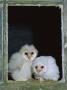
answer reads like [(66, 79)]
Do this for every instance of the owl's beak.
[(29, 56), (38, 70)]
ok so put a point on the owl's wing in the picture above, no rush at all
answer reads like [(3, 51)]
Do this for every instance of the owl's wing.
[(53, 67), (16, 61)]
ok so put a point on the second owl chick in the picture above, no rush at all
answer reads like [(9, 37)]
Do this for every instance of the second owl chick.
[(45, 67)]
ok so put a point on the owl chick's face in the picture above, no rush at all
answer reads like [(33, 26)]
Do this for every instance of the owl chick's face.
[(29, 52), (29, 55), (39, 68)]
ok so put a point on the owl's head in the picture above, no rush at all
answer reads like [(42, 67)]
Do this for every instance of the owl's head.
[(38, 66), (29, 52)]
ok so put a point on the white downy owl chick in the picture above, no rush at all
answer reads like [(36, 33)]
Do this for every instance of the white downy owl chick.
[(20, 63), (45, 67)]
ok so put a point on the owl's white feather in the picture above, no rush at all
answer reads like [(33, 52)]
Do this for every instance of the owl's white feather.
[(20, 63), (15, 62), (50, 70), (24, 73)]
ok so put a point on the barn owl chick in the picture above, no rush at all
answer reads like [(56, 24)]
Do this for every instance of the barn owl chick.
[(20, 63), (45, 67)]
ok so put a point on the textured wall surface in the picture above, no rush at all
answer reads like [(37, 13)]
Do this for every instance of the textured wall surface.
[(1, 15), (37, 0), (65, 32), (35, 85)]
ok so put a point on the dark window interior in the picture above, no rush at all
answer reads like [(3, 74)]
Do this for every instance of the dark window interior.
[(40, 26)]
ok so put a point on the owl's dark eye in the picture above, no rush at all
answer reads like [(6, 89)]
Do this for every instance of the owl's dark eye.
[(36, 67), (32, 53), (42, 67), (26, 53)]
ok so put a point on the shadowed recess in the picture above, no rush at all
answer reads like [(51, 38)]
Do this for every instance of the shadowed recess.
[(40, 26)]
